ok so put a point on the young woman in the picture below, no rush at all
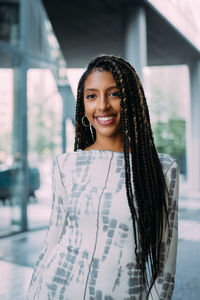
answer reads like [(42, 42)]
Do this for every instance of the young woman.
[(113, 228)]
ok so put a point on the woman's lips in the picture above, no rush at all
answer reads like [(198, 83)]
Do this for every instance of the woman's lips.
[(105, 120)]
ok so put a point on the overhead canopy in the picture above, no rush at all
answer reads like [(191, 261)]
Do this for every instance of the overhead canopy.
[(85, 29)]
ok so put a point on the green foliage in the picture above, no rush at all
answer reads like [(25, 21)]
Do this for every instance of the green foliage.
[(170, 138), (167, 111)]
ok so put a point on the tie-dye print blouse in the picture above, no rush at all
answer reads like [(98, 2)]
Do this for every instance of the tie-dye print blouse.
[(89, 248)]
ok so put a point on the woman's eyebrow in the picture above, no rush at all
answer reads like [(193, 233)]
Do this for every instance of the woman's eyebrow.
[(92, 89), (111, 87)]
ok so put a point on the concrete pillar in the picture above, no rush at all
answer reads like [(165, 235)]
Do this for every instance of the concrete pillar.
[(68, 110), (135, 40), (193, 133), (21, 182), (20, 144)]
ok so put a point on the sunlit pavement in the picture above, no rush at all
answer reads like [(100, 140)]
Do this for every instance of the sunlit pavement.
[(187, 284), (14, 281), (19, 253), (17, 257)]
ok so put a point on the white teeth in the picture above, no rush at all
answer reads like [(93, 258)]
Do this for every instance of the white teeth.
[(104, 118)]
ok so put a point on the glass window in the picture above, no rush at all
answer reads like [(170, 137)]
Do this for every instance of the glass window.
[(44, 140), (9, 22)]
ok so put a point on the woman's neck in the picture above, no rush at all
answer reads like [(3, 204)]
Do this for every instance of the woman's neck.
[(108, 144)]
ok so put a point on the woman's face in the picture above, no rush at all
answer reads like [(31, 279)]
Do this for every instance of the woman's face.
[(102, 103)]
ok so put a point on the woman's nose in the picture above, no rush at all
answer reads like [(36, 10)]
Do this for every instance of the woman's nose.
[(103, 103)]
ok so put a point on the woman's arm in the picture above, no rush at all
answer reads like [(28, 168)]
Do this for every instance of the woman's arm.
[(57, 220), (164, 284)]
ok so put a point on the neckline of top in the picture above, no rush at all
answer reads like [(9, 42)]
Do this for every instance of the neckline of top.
[(102, 152)]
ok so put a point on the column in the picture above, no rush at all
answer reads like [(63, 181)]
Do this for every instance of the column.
[(20, 143), (20, 188), (68, 110), (193, 132), (135, 40)]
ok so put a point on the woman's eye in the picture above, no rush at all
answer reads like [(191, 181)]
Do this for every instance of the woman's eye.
[(114, 94), (91, 96)]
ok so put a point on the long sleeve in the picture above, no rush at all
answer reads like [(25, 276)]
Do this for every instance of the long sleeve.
[(57, 219), (164, 284)]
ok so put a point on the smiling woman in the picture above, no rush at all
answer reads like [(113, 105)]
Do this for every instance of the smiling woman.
[(103, 110), (113, 229)]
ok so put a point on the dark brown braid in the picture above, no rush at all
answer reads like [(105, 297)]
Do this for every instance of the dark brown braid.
[(144, 173)]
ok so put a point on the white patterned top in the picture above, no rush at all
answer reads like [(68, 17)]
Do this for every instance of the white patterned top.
[(89, 251)]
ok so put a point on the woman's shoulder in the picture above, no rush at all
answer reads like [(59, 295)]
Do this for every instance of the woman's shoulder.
[(66, 157), (66, 163), (70, 158), (167, 162)]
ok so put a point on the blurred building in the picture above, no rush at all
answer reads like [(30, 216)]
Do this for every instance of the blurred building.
[(52, 35), (27, 45)]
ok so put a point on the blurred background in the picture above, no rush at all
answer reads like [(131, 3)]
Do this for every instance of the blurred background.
[(45, 46)]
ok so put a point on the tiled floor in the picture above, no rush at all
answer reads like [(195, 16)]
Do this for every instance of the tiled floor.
[(22, 249), (14, 281), (17, 258), (19, 253)]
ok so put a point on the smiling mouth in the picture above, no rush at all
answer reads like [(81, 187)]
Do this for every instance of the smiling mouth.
[(105, 120)]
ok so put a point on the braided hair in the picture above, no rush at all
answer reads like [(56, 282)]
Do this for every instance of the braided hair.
[(144, 172)]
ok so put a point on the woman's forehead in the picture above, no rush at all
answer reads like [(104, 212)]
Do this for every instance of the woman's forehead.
[(98, 79)]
